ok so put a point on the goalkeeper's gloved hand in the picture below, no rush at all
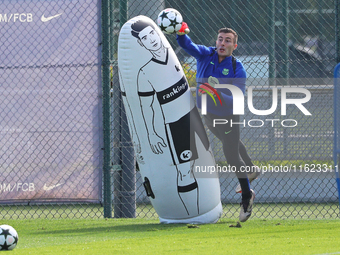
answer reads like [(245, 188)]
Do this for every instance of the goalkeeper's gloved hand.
[(184, 29)]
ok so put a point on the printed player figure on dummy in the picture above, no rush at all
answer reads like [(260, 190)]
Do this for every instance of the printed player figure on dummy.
[(169, 93)]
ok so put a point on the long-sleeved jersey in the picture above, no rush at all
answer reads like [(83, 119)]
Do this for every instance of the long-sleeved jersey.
[(209, 69)]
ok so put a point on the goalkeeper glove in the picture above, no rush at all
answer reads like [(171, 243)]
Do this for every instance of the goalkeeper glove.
[(184, 29)]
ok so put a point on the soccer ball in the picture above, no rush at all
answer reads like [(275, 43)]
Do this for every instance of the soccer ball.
[(169, 21), (8, 237)]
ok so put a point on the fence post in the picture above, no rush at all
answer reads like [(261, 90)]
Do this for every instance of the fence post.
[(106, 109), (337, 30), (116, 133), (272, 66), (271, 48), (124, 163), (336, 149)]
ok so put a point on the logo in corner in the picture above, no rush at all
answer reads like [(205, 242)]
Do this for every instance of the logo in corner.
[(45, 19), (47, 188)]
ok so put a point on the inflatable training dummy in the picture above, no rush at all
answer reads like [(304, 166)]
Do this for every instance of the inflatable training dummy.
[(168, 135)]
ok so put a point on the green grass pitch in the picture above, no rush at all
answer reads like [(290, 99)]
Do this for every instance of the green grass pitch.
[(145, 236)]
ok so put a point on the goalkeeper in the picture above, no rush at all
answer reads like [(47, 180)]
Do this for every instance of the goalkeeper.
[(216, 65)]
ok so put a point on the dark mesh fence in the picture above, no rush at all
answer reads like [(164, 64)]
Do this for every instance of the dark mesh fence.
[(53, 77), (51, 117), (282, 43)]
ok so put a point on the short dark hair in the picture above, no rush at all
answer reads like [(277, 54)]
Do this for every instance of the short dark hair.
[(138, 26), (229, 30)]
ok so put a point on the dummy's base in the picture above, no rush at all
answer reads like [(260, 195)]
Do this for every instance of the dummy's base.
[(210, 217)]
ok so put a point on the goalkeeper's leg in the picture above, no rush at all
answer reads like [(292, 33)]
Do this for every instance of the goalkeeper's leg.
[(254, 171)]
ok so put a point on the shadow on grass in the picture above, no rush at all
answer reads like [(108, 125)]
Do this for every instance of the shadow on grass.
[(123, 227)]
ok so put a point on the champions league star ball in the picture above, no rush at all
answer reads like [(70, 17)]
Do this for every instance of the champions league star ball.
[(169, 21), (8, 238)]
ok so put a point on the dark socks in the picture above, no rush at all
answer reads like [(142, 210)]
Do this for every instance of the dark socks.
[(245, 186)]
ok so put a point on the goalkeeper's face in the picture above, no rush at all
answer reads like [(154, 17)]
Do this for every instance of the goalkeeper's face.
[(225, 44)]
